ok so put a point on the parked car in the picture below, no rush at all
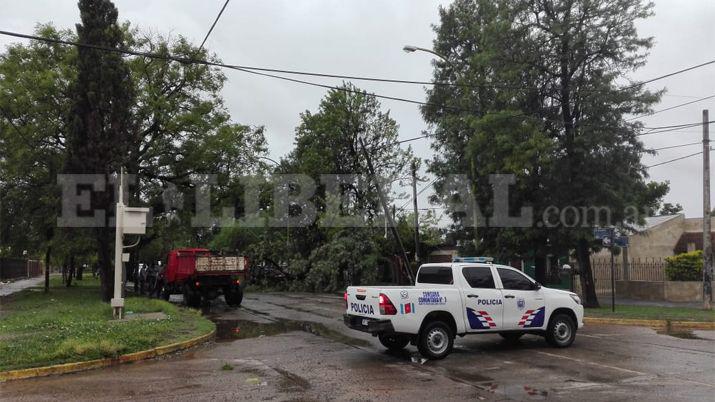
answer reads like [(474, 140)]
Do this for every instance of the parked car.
[(469, 296)]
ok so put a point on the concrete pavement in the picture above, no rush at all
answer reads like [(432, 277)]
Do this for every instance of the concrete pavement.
[(284, 346), (22, 284)]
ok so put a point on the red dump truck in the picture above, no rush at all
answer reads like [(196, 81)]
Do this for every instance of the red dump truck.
[(202, 276)]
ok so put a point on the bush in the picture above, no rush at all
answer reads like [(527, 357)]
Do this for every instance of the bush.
[(685, 267)]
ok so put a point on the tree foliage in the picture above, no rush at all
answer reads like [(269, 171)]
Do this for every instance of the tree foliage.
[(537, 94), (176, 127)]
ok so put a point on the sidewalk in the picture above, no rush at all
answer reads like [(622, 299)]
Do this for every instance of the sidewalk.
[(16, 286), (633, 302)]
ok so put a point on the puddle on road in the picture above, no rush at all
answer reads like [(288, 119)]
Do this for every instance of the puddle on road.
[(679, 334), (231, 330)]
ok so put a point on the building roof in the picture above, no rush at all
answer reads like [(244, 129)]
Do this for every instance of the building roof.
[(653, 221)]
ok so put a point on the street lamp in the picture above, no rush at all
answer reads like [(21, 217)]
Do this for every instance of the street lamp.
[(412, 49)]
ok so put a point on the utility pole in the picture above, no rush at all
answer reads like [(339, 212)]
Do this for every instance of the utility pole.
[(383, 202), (417, 215), (707, 242), (117, 301)]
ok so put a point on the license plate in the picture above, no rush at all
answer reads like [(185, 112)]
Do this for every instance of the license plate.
[(364, 322)]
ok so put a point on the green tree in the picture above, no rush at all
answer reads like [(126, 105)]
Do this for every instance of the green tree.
[(670, 209), (180, 128), (548, 70), (101, 128), (36, 81)]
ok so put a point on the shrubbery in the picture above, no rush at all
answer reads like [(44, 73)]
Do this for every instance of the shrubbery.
[(685, 267)]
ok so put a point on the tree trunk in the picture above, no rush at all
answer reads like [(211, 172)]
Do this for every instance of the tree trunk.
[(70, 271), (588, 286), (64, 271), (105, 264), (540, 268), (80, 272), (48, 255)]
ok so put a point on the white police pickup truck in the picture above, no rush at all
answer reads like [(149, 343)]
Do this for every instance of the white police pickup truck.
[(469, 296)]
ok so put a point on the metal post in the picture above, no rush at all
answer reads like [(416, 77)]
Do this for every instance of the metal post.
[(626, 263), (118, 301), (417, 215), (707, 243), (383, 202), (613, 281)]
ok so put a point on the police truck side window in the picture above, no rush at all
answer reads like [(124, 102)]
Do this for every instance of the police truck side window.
[(436, 275), (513, 280), (479, 277)]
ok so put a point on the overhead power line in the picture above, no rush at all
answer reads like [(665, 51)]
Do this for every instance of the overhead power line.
[(422, 190), (213, 25), (669, 75), (260, 71), (672, 129), (322, 75), (674, 160), (677, 146), (412, 139), (671, 108)]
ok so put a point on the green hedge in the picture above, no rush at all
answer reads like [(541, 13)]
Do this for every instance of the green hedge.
[(685, 267)]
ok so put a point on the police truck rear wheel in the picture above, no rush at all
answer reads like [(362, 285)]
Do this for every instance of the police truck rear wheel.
[(394, 342), (561, 331), (435, 340)]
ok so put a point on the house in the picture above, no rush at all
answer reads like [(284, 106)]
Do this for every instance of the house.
[(667, 235)]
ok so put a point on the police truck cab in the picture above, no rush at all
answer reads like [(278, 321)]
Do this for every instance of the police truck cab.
[(472, 295)]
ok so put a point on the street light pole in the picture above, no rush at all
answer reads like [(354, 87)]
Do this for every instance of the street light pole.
[(707, 242), (475, 222), (417, 216)]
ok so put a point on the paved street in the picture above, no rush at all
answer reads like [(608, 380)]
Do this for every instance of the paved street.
[(8, 288), (285, 346)]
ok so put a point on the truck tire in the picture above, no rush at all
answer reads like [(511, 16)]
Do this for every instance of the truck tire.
[(561, 331), (511, 337), (233, 298), (435, 340), (192, 299), (394, 342), (164, 292)]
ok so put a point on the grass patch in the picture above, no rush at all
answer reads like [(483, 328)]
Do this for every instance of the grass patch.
[(653, 313), (73, 324)]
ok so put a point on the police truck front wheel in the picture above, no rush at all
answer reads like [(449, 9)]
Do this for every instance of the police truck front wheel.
[(435, 340), (561, 331), (394, 342)]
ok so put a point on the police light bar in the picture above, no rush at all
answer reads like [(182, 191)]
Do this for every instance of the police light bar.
[(473, 259)]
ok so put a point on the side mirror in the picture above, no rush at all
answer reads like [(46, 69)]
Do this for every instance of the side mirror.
[(536, 286)]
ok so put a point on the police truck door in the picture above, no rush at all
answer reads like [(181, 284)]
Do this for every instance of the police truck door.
[(483, 302), (524, 306)]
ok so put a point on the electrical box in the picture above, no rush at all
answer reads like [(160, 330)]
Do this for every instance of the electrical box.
[(135, 220)]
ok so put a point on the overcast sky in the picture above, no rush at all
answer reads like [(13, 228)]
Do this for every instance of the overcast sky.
[(356, 37)]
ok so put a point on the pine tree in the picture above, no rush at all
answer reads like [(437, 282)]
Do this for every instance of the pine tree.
[(100, 126)]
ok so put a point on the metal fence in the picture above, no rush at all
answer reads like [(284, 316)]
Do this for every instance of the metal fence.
[(649, 269), (17, 268)]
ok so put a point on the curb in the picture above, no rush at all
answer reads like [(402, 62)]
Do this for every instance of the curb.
[(99, 363), (671, 325)]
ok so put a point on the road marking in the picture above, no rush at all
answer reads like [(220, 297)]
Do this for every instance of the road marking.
[(592, 363)]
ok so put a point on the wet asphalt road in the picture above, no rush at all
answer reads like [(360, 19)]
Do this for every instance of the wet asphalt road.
[(282, 346)]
